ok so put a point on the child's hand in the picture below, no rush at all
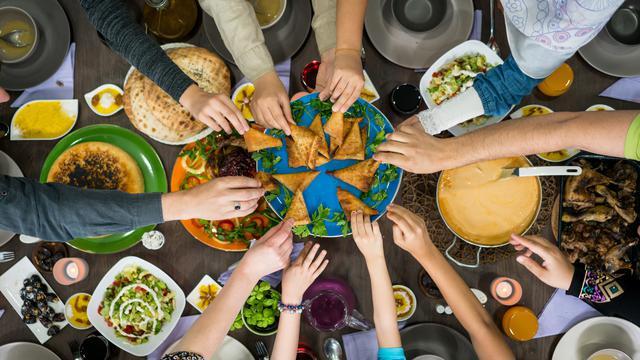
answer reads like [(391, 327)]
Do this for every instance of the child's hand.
[(367, 236), (302, 273), (409, 231)]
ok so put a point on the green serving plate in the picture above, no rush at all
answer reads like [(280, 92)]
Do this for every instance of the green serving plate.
[(155, 178)]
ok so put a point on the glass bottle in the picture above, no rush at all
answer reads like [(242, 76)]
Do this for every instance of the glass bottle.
[(170, 20)]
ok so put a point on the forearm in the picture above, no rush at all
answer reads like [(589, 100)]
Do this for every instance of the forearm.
[(384, 305), (286, 343), (113, 21), (59, 212), (585, 130), (349, 23), (486, 338), (208, 332), (324, 24)]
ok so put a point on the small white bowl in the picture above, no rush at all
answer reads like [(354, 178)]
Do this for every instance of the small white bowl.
[(600, 107), (88, 96), (609, 354), (237, 91), (68, 106), (68, 312), (412, 298), (194, 295), (275, 21)]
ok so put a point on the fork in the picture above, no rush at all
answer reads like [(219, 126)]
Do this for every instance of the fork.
[(261, 349), (6, 256)]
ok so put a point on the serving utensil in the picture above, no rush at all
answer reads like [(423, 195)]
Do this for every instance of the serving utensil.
[(6, 256), (261, 349), (492, 43), (332, 349), (13, 38), (541, 171)]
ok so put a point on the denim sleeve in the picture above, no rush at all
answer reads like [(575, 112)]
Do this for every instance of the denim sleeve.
[(124, 36), (391, 354), (57, 212), (503, 86)]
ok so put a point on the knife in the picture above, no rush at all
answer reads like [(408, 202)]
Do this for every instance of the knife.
[(541, 171)]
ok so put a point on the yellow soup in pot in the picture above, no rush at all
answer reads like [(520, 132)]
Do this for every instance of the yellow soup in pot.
[(482, 208)]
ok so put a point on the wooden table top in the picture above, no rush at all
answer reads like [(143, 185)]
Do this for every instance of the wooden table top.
[(187, 260)]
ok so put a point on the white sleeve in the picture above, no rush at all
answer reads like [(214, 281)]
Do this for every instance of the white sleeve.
[(452, 112)]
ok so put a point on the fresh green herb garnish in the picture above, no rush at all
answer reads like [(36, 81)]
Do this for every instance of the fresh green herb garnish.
[(318, 227), (301, 231), (323, 107), (356, 110), (378, 120), (277, 133), (377, 140), (287, 202), (389, 174), (203, 147), (272, 195), (269, 160), (340, 219), (261, 308), (297, 110)]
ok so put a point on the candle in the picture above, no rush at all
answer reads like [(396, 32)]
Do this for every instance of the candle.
[(506, 291), (72, 270), (69, 271)]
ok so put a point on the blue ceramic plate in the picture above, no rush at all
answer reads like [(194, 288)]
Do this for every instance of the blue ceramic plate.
[(322, 191)]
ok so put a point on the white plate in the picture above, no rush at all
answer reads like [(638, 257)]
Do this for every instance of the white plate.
[(466, 48), (368, 84), (596, 334), (68, 106), (101, 325), (89, 96), (195, 137), (10, 168), (597, 107), (10, 285), (231, 349), (26, 351), (194, 295)]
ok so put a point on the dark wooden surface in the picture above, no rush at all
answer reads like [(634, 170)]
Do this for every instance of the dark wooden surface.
[(186, 259)]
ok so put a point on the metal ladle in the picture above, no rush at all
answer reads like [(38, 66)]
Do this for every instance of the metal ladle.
[(13, 38)]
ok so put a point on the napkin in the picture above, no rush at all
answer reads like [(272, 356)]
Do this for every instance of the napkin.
[(178, 332), (273, 279), (361, 345), (58, 86), (561, 313), (624, 89), (283, 70), (476, 30)]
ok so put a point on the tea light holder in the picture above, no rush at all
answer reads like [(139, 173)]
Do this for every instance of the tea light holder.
[(506, 291), (68, 271)]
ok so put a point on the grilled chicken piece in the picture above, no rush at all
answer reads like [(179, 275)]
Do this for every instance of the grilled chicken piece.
[(577, 187), (598, 213), (628, 214), (617, 258)]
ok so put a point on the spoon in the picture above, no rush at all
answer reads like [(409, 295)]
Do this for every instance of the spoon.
[(14, 39), (492, 43), (332, 349)]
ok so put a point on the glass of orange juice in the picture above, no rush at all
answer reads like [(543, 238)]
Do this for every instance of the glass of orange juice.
[(558, 82), (520, 323)]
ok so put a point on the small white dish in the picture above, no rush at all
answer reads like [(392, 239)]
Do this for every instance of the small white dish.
[(600, 107), (275, 21), (369, 87), (466, 48), (609, 354), (109, 333), (522, 112), (68, 312), (10, 285), (592, 335), (194, 295), (412, 299), (68, 106), (237, 90), (89, 96)]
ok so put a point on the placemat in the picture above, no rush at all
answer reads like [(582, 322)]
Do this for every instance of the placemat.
[(419, 196)]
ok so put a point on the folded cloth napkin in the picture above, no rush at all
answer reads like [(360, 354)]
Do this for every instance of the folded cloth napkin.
[(624, 89), (178, 332), (58, 86), (273, 279), (361, 345), (561, 313), (476, 30), (283, 70)]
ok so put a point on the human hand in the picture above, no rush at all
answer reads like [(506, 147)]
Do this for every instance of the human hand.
[(214, 200), (325, 71), (412, 149), (344, 84), (367, 236), (297, 277), (270, 103), (214, 110), (270, 253), (409, 231), (556, 270), (4, 96)]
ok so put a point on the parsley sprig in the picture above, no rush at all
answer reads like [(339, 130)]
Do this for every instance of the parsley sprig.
[(269, 159), (318, 227), (340, 219)]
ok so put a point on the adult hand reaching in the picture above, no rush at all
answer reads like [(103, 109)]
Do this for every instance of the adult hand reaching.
[(4, 96), (214, 110), (345, 81), (221, 198), (410, 232), (270, 253), (367, 236), (302, 273), (555, 270), (270, 103), (412, 149)]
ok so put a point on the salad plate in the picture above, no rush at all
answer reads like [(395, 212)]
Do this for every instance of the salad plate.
[(320, 196), (453, 80), (140, 282)]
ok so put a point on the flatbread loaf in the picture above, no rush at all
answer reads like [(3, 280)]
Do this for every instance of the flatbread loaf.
[(97, 165)]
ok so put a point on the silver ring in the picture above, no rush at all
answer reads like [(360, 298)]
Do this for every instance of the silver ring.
[(237, 206)]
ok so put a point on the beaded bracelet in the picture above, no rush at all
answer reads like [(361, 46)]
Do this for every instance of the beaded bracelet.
[(291, 309)]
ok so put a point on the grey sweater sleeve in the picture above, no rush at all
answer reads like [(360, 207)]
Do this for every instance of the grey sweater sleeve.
[(124, 36), (58, 212)]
